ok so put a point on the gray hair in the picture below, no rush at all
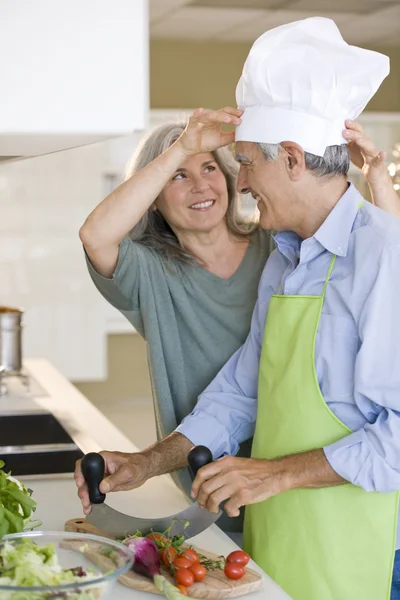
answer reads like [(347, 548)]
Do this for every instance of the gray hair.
[(153, 230), (336, 159)]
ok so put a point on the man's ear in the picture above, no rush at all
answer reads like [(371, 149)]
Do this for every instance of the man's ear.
[(294, 160)]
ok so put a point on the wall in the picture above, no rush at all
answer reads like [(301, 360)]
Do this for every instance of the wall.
[(188, 74), (127, 372), (43, 202)]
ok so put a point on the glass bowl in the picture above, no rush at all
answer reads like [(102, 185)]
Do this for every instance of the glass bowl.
[(102, 559)]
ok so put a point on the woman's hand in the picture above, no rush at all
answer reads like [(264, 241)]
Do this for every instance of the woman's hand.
[(364, 154), (204, 133)]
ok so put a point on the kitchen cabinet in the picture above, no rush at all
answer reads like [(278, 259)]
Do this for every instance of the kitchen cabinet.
[(72, 73)]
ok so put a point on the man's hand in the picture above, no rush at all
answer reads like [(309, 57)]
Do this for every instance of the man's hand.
[(123, 471), (126, 471), (248, 480), (243, 480)]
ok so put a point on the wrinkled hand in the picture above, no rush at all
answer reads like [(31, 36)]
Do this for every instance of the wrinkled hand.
[(203, 131), (243, 480), (123, 471), (364, 154)]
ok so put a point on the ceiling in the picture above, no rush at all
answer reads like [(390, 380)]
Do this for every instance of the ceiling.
[(361, 22)]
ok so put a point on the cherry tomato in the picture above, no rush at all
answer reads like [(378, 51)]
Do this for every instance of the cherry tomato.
[(168, 555), (190, 555), (199, 571), (184, 577), (182, 563), (234, 570), (183, 590), (238, 556), (156, 537)]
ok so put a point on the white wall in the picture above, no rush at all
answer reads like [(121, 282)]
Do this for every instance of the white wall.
[(43, 202)]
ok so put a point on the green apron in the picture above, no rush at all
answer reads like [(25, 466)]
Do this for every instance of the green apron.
[(334, 543)]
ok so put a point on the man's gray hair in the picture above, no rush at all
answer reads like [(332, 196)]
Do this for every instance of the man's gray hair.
[(336, 160)]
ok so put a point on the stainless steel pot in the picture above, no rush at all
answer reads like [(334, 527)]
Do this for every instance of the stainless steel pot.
[(11, 325)]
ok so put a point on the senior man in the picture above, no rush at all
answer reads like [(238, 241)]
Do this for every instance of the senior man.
[(318, 379)]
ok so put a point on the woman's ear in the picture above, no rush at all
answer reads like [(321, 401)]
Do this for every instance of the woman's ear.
[(295, 160)]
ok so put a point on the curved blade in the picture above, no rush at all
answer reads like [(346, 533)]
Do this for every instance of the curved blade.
[(118, 525)]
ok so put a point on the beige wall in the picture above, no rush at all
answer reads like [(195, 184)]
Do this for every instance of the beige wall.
[(192, 74), (187, 75), (127, 372)]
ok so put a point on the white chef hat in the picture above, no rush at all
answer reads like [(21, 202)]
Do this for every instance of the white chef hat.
[(301, 81)]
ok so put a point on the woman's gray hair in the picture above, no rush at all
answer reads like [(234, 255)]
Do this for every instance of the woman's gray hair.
[(336, 159), (153, 230)]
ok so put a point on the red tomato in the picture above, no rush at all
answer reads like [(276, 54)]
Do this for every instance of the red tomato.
[(199, 571), (234, 570), (156, 537), (182, 563), (238, 556), (168, 555), (183, 590), (190, 555), (184, 577)]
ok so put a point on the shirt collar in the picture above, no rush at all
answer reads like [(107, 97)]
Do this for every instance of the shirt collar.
[(334, 233)]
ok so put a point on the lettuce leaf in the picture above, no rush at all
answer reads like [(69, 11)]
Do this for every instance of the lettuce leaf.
[(26, 564), (16, 504)]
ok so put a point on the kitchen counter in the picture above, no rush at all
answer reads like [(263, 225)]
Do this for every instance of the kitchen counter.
[(56, 497)]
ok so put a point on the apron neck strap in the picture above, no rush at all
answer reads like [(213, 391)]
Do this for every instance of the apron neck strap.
[(328, 275)]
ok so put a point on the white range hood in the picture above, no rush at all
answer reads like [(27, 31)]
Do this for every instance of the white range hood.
[(72, 72)]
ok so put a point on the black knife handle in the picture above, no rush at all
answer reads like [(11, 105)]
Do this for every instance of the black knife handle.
[(93, 467), (198, 457)]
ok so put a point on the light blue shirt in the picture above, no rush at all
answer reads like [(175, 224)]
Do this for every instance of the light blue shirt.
[(357, 354)]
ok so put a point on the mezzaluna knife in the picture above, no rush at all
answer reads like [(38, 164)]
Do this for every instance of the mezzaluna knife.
[(189, 522)]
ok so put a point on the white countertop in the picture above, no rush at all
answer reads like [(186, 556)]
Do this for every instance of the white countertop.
[(57, 499)]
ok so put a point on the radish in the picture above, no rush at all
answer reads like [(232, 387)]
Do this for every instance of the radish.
[(147, 562), (147, 557)]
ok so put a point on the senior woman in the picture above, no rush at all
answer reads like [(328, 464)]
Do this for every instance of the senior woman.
[(169, 249)]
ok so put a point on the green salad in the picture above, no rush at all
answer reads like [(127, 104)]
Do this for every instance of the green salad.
[(26, 564)]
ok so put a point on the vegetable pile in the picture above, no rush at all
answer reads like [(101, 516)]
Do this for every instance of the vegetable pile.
[(184, 564), (16, 505)]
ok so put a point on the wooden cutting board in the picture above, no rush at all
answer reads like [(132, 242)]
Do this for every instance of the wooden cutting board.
[(215, 585)]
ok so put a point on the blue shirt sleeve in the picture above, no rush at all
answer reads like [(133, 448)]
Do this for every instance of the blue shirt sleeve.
[(225, 414), (370, 457)]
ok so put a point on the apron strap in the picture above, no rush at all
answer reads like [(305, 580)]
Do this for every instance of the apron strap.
[(328, 276)]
